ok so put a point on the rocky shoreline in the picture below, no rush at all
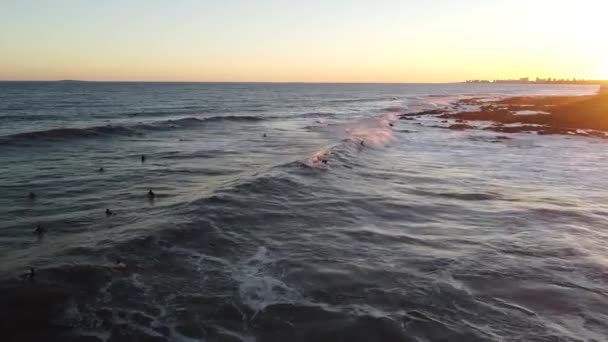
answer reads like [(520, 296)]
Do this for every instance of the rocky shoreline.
[(567, 115)]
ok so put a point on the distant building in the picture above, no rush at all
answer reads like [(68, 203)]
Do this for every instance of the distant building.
[(517, 81), (538, 80)]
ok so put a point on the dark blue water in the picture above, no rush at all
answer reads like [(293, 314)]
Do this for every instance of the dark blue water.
[(293, 212)]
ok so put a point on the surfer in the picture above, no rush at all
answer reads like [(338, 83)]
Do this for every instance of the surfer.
[(119, 264), (29, 276), (39, 230)]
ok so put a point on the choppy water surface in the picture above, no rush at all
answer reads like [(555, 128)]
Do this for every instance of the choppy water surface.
[(294, 212)]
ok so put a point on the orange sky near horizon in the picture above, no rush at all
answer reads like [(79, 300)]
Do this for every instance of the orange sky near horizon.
[(278, 41)]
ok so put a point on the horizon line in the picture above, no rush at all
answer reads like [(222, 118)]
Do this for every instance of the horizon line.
[(255, 82), (599, 81)]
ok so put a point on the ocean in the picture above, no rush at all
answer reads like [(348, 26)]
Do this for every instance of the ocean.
[(293, 212)]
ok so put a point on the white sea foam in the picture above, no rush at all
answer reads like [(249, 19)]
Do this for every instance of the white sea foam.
[(258, 287), (317, 159), (530, 112)]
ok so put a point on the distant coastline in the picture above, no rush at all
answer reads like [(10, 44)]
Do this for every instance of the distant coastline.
[(514, 81), (527, 80)]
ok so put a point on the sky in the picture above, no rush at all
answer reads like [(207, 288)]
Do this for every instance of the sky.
[(302, 41)]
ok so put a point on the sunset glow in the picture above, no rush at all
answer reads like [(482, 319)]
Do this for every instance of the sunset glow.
[(341, 41)]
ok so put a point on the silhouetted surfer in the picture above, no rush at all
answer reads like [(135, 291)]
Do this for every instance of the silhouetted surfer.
[(390, 124), (109, 212), (101, 169), (29, 276), (31, 195), (151, 194), (265, 135), (362, 143), (120, 264), (143, 158), (39, 230)]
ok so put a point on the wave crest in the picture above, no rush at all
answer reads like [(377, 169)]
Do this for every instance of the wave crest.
[(66, 133)]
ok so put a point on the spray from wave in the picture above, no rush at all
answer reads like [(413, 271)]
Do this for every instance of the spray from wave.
[(376, 132), (371, 132)]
